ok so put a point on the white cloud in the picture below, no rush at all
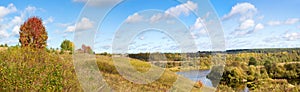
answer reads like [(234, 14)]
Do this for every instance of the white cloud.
[(246, 13), (171, 22), (203, 31), (248, 27), (198, 24), (274, 23), (292, 21), (134, 18), (289, 21), (246, 24), (17, 20), (70, 28), (156, 17), (244, 10), (185, 9), (7, 10), (142, 38), (64, 25), (16, 30), (258, 27), (292, 36), (82, 25), (197, 34), (3, 34), (49, 20), (240, 33), (198, 28), (261, 17), (99, 3), (30, 9), (13, 25), (182, 9)]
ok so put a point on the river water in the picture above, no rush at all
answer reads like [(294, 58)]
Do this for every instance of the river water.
[(197, 75), (200, 75)]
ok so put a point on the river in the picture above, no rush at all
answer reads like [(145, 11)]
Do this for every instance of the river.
[(197, 75), (200, 75)]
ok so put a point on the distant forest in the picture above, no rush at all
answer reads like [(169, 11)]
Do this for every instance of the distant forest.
[(178, 57)]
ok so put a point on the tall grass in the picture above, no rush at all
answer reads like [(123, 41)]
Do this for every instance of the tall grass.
[(36, 70)]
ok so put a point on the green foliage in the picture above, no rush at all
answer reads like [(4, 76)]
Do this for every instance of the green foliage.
[(33, 34), (67, 45), (169, 56), (270, 66), (105, 54), (252, 61), (266, 70), (234, 77), (5, 45)]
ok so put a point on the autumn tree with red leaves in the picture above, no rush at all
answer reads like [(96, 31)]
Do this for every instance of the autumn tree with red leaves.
[(87, 49), (33, 33)]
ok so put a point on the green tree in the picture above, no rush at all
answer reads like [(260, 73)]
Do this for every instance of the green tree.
[(267, 65), (33, 33), (67, 45), (252, 61), (270, 67)]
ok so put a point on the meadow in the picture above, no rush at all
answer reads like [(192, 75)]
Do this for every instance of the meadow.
[(24, 69)]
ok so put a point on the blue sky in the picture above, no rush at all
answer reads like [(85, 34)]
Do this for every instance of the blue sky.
[(246, 23)]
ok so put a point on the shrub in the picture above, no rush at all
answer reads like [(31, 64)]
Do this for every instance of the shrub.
[(252, 61), (67, 45)]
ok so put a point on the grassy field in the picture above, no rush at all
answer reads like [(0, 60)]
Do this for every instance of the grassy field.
[(25, 69), (43, 70)]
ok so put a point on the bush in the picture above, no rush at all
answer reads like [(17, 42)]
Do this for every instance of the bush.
[(67, 45), (252, 61)]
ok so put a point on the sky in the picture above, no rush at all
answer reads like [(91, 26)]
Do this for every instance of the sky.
[(246, 23)]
